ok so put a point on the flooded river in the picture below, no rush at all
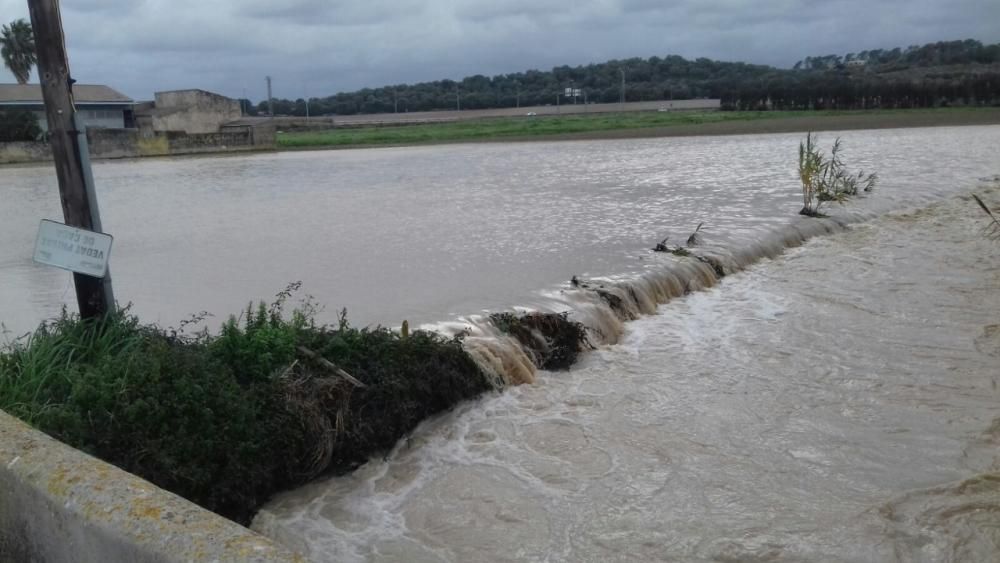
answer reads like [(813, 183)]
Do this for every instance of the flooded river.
[(835, 401), (835, 404), (429, 233)]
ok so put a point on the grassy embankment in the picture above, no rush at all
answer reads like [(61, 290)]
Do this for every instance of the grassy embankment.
[(227, 420), (637, 124)]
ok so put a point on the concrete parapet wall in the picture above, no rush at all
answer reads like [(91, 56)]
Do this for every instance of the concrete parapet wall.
[(131, 143), (58, 504)]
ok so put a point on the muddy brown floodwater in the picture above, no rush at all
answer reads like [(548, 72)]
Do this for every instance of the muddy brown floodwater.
[(838, 403), (430, 233), (832, 401)]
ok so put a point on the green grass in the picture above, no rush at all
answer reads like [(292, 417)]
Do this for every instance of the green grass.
[(503, 127), (541, 126), (227, 420)]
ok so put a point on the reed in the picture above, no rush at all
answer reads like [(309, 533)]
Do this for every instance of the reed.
[(825, 178)]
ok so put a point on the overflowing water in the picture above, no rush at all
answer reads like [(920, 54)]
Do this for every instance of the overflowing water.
[(834, 403), (430, 233)]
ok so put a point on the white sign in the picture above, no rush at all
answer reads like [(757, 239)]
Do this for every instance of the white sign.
[(73, 249), (569, 92)]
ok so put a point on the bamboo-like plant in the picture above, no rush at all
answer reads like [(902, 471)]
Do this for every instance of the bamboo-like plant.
[(826, 178)]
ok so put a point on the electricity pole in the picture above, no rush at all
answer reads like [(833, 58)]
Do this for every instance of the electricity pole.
[(68, 138), (622, 70), (270, 100)]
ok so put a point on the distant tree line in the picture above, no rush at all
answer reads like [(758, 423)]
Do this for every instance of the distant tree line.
[(931, 54), (944, 73)]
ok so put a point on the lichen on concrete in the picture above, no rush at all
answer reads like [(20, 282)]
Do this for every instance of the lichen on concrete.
[(59, 504)]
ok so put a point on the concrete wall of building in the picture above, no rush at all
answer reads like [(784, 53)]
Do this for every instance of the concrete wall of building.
[(132, 143), (58, 504), (111, 117), (193, 111)]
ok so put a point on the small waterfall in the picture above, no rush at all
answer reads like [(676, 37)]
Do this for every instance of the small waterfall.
[(603, 305)]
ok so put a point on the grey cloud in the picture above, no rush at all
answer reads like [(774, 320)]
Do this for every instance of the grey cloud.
[(343, 13), (486, 10), (319, 47)]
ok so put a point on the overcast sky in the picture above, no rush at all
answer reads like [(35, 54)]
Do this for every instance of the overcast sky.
[(319, 47)]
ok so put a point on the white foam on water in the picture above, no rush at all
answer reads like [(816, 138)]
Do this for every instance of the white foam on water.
[(783, 414)]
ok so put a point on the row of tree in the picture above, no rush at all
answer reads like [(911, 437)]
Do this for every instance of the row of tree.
[(931, 54), (943, 73)]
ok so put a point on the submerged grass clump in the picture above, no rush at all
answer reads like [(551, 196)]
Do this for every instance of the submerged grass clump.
[(992, 229), (553, 341), (227, 420)]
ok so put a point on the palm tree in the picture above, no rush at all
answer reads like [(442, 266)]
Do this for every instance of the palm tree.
[(17, 47)]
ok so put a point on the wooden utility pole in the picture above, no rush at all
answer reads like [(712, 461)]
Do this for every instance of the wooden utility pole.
[(69, 147)]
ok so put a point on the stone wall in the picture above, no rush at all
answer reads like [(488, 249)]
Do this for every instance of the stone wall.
[(131, 143), (58, 505), (24, 151)]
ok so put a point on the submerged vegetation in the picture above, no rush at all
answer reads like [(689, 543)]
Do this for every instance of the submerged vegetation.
[(992, 229), (227, 420), (825, 178), (693, 240), (553, 341)]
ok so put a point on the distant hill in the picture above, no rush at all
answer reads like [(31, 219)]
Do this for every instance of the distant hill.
[(944, 73)]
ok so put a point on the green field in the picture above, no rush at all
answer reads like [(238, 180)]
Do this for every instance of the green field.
[(621, 124)]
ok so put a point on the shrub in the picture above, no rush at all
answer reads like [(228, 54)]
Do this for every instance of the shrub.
[(228, 420), (167, 409), (18, 125), (826, 178), (407, 379)]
